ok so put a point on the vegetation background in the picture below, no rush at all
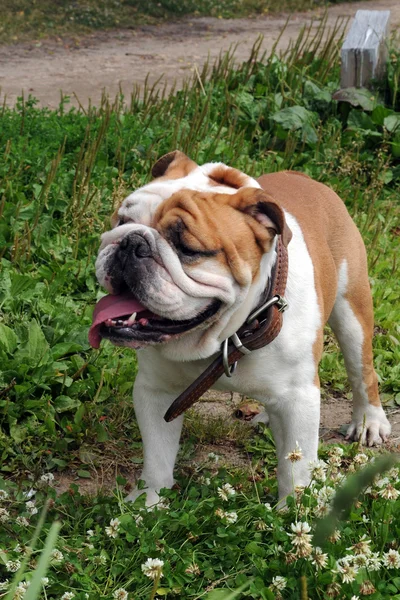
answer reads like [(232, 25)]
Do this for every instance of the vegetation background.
[(62, 404)]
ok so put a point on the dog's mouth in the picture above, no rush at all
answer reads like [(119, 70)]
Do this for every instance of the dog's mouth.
[(124, 320)]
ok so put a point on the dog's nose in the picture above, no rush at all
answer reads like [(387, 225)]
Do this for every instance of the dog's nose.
[(133, 244)]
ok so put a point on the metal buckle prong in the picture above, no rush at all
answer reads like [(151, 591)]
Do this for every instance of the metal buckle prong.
[(279, 300), (237, 342)]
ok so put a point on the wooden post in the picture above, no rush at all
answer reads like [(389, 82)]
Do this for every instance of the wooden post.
[(364, 52)]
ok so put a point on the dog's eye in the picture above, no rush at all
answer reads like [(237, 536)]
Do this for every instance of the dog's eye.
[(188, 251)]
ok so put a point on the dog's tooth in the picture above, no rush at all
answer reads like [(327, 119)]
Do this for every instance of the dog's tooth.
[(132, 318)]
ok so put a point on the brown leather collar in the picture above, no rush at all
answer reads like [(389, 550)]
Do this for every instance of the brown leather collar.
[(260, 329)]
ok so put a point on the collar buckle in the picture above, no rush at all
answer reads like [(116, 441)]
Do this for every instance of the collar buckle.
[(229, 370)]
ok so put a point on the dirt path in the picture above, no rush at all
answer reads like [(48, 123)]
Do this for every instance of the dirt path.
[(107, 60)]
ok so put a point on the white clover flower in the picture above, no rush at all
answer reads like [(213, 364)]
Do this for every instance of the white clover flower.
[(335, 456), (389, 492), (360, 459), (45, 581), (326, 493), (231, 516), (31, 508), (361, 547), (204, 480), (152, 568), (355, 598), (67, 596), (336, 451), (4, 515), (268, 506), (278, 583), (193, 569), (295, 455), (89, 533), (20, 590), (13, 565), (365, 519), (56, 556), (374, 562), (393, 473), (301, 538), (4, 584), (48, 478), (391, 559), (347, 569), (101, 559), (382, 482), (226, 491), (113, 528), (360, 561), (138, 519), (23, 521), (213, 457), (335, 537), (120, 594), (318, 558), (300, 529), (318, 470), (367, 588), (3, 495)]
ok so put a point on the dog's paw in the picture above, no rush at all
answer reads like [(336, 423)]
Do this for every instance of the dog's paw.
[(372, 429), (152, 498)]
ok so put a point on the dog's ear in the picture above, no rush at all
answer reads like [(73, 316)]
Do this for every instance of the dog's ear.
[(173, 165), (268, 213), (221, 174)]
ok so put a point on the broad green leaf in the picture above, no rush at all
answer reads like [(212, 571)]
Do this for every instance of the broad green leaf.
[(21, 284), (36, 347), (392, 123), (357, 97), (84, 474), (8, 339), (293, 117), (65, 403)]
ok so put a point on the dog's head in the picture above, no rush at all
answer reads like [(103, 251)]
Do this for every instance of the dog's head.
[(187, 259)]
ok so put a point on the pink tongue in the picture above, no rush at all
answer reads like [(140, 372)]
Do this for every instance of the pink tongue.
[(111, 307)]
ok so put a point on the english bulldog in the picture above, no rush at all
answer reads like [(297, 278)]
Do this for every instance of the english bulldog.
[(187, 260)]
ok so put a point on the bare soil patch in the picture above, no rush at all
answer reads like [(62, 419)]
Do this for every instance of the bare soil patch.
[(335, 415), (121, 59)]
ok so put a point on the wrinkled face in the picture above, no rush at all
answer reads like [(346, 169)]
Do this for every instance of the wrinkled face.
[(184, 259)]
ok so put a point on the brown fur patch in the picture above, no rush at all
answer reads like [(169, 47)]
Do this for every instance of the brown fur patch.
[(173, 165), (228, 176)]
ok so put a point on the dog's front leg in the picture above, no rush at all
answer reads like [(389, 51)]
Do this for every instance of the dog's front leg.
[(294, 420), (160, 439)]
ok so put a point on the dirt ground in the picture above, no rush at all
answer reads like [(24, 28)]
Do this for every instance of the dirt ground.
[(123, 58), (335, 415)]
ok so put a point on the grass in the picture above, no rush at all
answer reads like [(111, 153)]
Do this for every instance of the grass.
[(22, 20), (60, 178)]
